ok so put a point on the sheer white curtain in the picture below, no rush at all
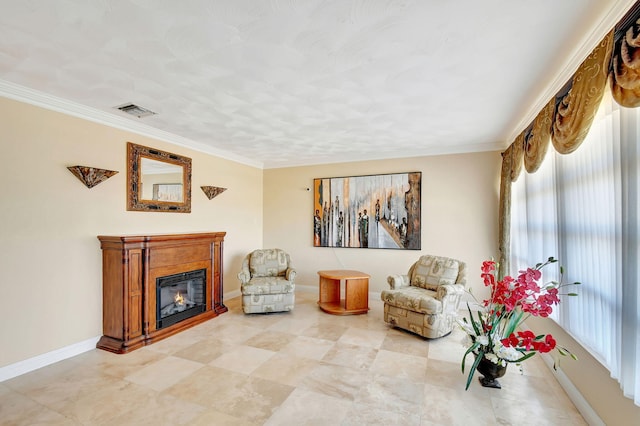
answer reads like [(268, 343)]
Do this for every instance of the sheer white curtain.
[(582, 208)]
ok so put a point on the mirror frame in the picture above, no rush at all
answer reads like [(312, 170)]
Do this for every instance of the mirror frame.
[(134, 179)]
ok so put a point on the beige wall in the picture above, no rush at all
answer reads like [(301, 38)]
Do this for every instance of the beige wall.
[(459, 215), (50, 258)]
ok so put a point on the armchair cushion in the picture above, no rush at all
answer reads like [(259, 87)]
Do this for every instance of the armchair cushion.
[(268, 285), (268, 263), (429, 272), (414, 299)]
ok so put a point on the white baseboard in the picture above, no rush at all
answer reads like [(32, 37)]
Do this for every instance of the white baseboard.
[(307, 288), (588, 413), (22, 367), (231, 295)]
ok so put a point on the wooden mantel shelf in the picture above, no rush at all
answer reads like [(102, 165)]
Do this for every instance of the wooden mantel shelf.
[(130, 266)]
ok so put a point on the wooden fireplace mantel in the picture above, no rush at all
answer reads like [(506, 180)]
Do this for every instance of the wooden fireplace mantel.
[(130, 266)]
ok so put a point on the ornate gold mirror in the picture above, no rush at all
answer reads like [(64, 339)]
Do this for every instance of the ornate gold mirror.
[(157, 181)]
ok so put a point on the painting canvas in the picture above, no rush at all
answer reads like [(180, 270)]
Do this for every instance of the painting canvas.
[(376, 211)]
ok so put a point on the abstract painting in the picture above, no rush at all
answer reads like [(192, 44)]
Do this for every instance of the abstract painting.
[(375, 211)]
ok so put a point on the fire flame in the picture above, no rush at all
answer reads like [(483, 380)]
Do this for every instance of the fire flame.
[(179, 300)]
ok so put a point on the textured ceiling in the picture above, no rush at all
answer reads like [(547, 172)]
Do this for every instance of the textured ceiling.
[(295, 82)]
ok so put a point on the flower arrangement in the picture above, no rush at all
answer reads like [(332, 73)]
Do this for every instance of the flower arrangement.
[(493, 332)]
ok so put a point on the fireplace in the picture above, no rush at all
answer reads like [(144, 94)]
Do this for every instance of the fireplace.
[(154, 286), (180, 296)]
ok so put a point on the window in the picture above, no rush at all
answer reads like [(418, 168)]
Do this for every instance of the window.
[(582, 208)]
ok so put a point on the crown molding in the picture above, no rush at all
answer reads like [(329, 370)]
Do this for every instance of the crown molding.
[(580, 53), (33, 97)]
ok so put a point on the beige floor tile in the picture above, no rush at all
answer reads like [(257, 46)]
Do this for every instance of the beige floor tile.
[(448, 348), (212, 417), (17, 409), (264, 321), (206, 350), (304, 407), (235, 332), (533, 413), (119, 365), (49, 387), (336, 381), (371, 415), (105, 404), (174, 344), (242, 359), (392, 394), (402, 366), (207, 385), (295, 326), (404, 342), (446, 406), (325, 331), (308, 347), (248, 398), (156, 409), (286, 369), (164, 373), (256, 401), (270, 340), (363, 337), (353, 356)]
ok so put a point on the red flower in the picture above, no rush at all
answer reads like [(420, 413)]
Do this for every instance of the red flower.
[(511, 341), (528, 338)]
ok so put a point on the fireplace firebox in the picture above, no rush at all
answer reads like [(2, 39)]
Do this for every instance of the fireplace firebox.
[(180, 296)]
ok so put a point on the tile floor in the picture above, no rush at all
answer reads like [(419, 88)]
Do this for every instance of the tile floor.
[(300, 368)]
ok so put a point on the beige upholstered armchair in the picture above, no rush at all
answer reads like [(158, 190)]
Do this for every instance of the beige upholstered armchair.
[(426, 300), (267, 282)]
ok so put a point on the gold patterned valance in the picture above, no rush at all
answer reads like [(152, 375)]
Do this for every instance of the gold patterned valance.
[(624, 78), (535, 146), (576, 110), (566, 122)]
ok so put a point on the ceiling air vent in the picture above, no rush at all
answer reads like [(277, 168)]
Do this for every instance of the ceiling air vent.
[(135, 110)]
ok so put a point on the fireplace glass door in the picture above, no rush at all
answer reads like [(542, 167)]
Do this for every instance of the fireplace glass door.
[(180, 296)]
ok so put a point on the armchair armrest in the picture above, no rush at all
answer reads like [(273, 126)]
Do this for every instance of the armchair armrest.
[(398, 281), (244, 275), (290, 274), (455, 291)]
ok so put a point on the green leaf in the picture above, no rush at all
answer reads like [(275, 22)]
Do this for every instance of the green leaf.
[(473, 368), (470, 350), (572, 294), (513, 324), (527, 356), (473, 323)]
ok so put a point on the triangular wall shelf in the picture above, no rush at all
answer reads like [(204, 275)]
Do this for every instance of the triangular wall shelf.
[(212, 191), (91, 176)]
